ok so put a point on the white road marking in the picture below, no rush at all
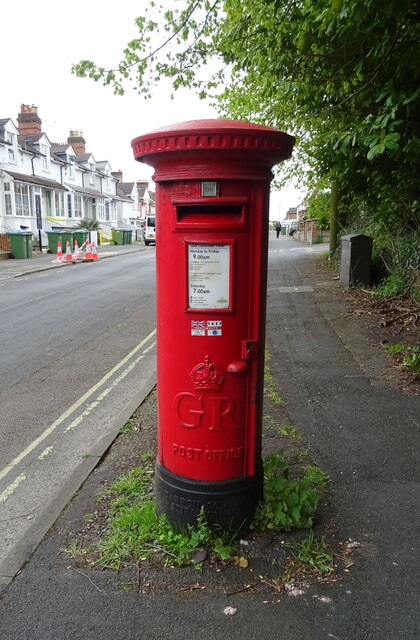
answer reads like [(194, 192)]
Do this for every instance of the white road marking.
[(45, 453), (72, 409), (299, 289), (12, 487)]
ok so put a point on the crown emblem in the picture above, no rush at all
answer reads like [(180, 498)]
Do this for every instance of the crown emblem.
[(207, 375)]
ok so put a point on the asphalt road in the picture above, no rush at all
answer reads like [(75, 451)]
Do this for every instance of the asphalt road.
[(78, 348), (361, 430)]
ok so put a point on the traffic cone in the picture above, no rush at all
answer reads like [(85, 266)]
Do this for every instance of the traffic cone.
[(69, 257), (59, 257), (94, 252), (76, 253), (88, 255)]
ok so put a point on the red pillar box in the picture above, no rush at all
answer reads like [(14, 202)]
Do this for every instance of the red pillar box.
[(212, 192)]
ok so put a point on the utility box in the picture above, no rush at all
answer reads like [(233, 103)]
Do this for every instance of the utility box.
[(356, 260), (212, 197)]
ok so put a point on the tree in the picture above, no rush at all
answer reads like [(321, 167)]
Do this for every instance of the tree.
[(318, 206), (341, 75), (89, 224)]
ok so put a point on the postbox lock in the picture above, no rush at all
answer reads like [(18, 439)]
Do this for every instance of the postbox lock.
[(249, 349), (238, 367)]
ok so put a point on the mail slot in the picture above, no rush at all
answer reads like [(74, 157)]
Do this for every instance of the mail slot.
[(212, 192)]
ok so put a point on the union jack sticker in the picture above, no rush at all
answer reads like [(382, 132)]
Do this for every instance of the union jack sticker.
[(198, 327)]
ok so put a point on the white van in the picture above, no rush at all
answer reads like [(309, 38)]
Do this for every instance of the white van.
[(149, 231)]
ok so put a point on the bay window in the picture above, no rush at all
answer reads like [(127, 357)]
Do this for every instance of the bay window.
[(8, 202), (22, 199), (59, 204)]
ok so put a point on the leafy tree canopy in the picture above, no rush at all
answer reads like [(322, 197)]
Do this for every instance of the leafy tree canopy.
[(341, 75)]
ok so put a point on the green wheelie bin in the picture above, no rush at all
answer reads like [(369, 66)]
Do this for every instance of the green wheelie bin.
[(118, 236), (67, 235), (53, 238), (21, 243), (81, 235)]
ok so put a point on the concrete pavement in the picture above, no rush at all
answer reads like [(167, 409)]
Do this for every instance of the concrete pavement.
[(361, 430)]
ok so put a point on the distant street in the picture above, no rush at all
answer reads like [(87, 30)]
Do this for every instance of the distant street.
[(77, 347)]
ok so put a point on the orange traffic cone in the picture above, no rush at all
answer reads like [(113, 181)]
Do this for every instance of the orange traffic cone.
[(69, 257), (88, 255), (59, 257), (76, 253), (94, 252)]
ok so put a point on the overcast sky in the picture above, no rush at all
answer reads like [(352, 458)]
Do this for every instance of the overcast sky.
[(41, 40)]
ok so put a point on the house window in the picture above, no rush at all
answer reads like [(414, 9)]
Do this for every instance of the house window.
[(69, 206), (92, 172), (22, 200), (112, 210), (8, 203), (59, 204), (70, 167), (11, 151), (45, 157), (108, 211), (78, 206), (100, 209)]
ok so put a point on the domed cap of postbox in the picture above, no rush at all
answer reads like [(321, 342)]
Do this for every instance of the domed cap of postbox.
[(214, 137)]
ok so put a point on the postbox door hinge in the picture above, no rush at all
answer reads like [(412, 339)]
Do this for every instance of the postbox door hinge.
[(249, 349)]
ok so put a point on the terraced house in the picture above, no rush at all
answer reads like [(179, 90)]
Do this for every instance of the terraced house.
[(45, 185)]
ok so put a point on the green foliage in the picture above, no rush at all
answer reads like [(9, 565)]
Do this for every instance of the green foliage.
[(400, 258), (316, 477), (342, 76), (412, 362), (394, 348), (76, 550), (128, 427), (134, 484), (411, 355), (319, 207), (136, 532), (313, 554), (270, 388), (288, 503), (290, 430), (89, 224)]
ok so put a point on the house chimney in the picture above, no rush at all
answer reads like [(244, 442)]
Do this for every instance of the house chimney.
[(29, 122), (118, 175), (78, 142)]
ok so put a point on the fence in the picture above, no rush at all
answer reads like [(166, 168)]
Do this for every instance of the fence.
[(4, 242), (309, 231), (106, 233)]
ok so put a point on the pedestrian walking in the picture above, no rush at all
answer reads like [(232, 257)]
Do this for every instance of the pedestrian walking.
[(278, 229)]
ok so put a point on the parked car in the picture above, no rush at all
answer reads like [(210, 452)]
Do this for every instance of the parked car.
[(149, 231), (293, 227)]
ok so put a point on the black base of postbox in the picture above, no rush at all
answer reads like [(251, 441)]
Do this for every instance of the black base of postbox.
[(229, 504)]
